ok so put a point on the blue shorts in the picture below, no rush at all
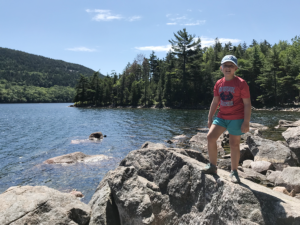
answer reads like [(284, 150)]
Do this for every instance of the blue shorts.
[(233, 126)]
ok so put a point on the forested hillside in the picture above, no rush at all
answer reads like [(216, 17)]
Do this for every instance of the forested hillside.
[(186, 76), (26, 77)]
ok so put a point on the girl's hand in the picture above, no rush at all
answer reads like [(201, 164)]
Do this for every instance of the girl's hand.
[(245, 127), (209, 123)]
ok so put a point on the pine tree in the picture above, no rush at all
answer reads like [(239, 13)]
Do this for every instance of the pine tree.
[(185, 47)]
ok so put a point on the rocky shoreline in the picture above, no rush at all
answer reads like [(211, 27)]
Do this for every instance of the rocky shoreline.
[(201, 107), (159, 185)]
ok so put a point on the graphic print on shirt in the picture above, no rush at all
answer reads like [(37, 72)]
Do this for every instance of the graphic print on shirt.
[(226, 94)]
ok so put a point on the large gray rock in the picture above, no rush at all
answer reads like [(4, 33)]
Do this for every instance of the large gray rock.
[(164, 186), (247, 163), (290, 178), (292, 137), (261, 166), (41, 205), (75, 157), (271, 151), (273, 176), (225, 164), (200, 141), (104, 204), (254, 176), (245, 153)]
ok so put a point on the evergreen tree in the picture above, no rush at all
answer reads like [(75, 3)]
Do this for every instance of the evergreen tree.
[(185, 47)]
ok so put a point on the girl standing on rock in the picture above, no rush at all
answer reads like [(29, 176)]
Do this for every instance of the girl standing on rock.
[(232, 93)]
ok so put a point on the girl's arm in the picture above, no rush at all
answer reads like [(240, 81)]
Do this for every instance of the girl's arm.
[(213, 109), (247, 115)]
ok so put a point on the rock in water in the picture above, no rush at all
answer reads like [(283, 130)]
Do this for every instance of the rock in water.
[(256, 126), (287, 123), (75, 157), (96, 136), (292, 137), (166, 186), (271, 151), (41, 205)]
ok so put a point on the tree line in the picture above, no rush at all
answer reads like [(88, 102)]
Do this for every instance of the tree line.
[(11, 93), (186, 76)]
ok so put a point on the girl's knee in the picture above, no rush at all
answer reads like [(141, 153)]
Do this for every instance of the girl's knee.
[(234, 144), (211, 138)]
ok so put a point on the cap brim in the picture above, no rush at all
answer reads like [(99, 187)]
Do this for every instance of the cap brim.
[(230, 61)]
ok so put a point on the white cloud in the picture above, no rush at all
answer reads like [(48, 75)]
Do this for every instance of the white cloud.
[(183, 20), (163, 48), (189, 10), (81, 49), (103, 15), (198, 22), (134, 18), (206, 42), (178, 18), (171, 23), (107, 15)]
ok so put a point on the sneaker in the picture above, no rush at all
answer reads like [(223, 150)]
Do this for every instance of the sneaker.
[(234, 176), (210, 169)]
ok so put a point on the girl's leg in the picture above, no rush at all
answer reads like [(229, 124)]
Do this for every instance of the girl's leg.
[(214, 133), (234, 143)]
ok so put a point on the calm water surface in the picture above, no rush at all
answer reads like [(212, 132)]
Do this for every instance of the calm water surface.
[(33, 133)]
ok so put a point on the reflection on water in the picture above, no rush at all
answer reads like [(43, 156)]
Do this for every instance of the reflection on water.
[(33, 133)]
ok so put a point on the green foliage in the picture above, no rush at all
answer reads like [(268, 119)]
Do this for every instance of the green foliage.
[(10, 93), (186, 76), (30, 78)]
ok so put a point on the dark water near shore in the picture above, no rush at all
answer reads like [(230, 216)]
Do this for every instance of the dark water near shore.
[(33, 133)]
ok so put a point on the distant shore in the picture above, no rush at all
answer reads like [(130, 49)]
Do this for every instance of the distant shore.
[(201, 107)]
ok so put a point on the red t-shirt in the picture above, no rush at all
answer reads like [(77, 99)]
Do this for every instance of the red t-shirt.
[(231, 97)]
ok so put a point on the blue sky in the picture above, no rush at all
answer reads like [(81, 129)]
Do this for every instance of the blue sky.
[(106, 35)]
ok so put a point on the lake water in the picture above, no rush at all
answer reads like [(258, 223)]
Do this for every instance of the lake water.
[(33, 133)]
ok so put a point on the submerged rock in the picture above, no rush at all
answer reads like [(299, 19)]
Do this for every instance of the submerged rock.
[(96, 136), (166, 186), (41, 205), (75, 157), (271, 151)]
